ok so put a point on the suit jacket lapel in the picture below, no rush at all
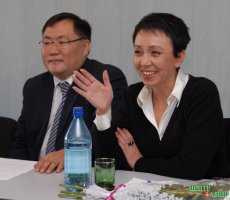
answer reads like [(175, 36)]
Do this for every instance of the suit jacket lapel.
[(73, 100), (46, 99)]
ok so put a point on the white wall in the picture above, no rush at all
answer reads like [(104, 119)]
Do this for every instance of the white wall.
[(113, 22)]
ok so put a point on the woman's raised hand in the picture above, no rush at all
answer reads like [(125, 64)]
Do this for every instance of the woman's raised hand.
[(100, 95)]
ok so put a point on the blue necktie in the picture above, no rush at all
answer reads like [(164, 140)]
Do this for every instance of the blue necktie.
[(53, 133)]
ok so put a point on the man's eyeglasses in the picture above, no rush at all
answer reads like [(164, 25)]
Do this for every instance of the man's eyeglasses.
[(60, 43)]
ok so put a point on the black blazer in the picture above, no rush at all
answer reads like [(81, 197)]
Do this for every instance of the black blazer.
[(37, 102)]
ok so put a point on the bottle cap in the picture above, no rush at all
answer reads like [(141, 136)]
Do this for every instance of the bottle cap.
[(77, 111)]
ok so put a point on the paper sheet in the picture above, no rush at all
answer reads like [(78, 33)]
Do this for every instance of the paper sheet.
[(9, 168)]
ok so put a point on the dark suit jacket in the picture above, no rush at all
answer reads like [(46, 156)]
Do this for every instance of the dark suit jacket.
[(37, 102)]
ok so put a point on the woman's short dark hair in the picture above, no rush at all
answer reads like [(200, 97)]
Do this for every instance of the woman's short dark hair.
[(172, 26), (81, 26)]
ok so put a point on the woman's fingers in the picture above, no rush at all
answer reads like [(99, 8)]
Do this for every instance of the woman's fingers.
[(124, 137)]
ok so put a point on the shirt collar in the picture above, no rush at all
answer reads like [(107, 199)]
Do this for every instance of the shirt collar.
[(57, 81), (176, 94), (143, 96), (181, 81)]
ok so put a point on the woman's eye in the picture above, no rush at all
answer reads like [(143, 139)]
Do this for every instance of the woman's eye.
[(137, 52), (156, 53)]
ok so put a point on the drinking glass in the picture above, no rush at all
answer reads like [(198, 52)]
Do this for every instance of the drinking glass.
[(104, 172)]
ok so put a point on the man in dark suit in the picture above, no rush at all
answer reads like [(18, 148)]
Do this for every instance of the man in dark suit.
[(66, 41)]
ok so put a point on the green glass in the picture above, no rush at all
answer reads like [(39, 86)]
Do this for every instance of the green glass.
[(104, 172)]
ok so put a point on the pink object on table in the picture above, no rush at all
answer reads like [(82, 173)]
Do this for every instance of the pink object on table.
[(110, 197)]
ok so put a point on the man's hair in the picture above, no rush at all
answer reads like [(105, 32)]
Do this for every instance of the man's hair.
[(81, 26), (172, 26)]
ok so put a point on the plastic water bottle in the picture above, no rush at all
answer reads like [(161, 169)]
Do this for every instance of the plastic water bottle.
[(78, 152)]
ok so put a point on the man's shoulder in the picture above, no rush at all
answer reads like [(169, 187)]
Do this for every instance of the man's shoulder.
[(96, 68), (40, 79), (97, 65)]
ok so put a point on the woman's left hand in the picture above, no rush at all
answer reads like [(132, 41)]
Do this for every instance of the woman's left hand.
[(128, 146)]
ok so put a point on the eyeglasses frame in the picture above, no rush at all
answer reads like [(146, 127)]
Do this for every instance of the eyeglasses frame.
[(67, 42)]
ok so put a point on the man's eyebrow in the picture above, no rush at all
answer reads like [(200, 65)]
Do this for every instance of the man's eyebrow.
[(59, 37)]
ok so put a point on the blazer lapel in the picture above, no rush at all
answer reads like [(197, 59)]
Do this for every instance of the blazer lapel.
[(73, 100), (45, 102)]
